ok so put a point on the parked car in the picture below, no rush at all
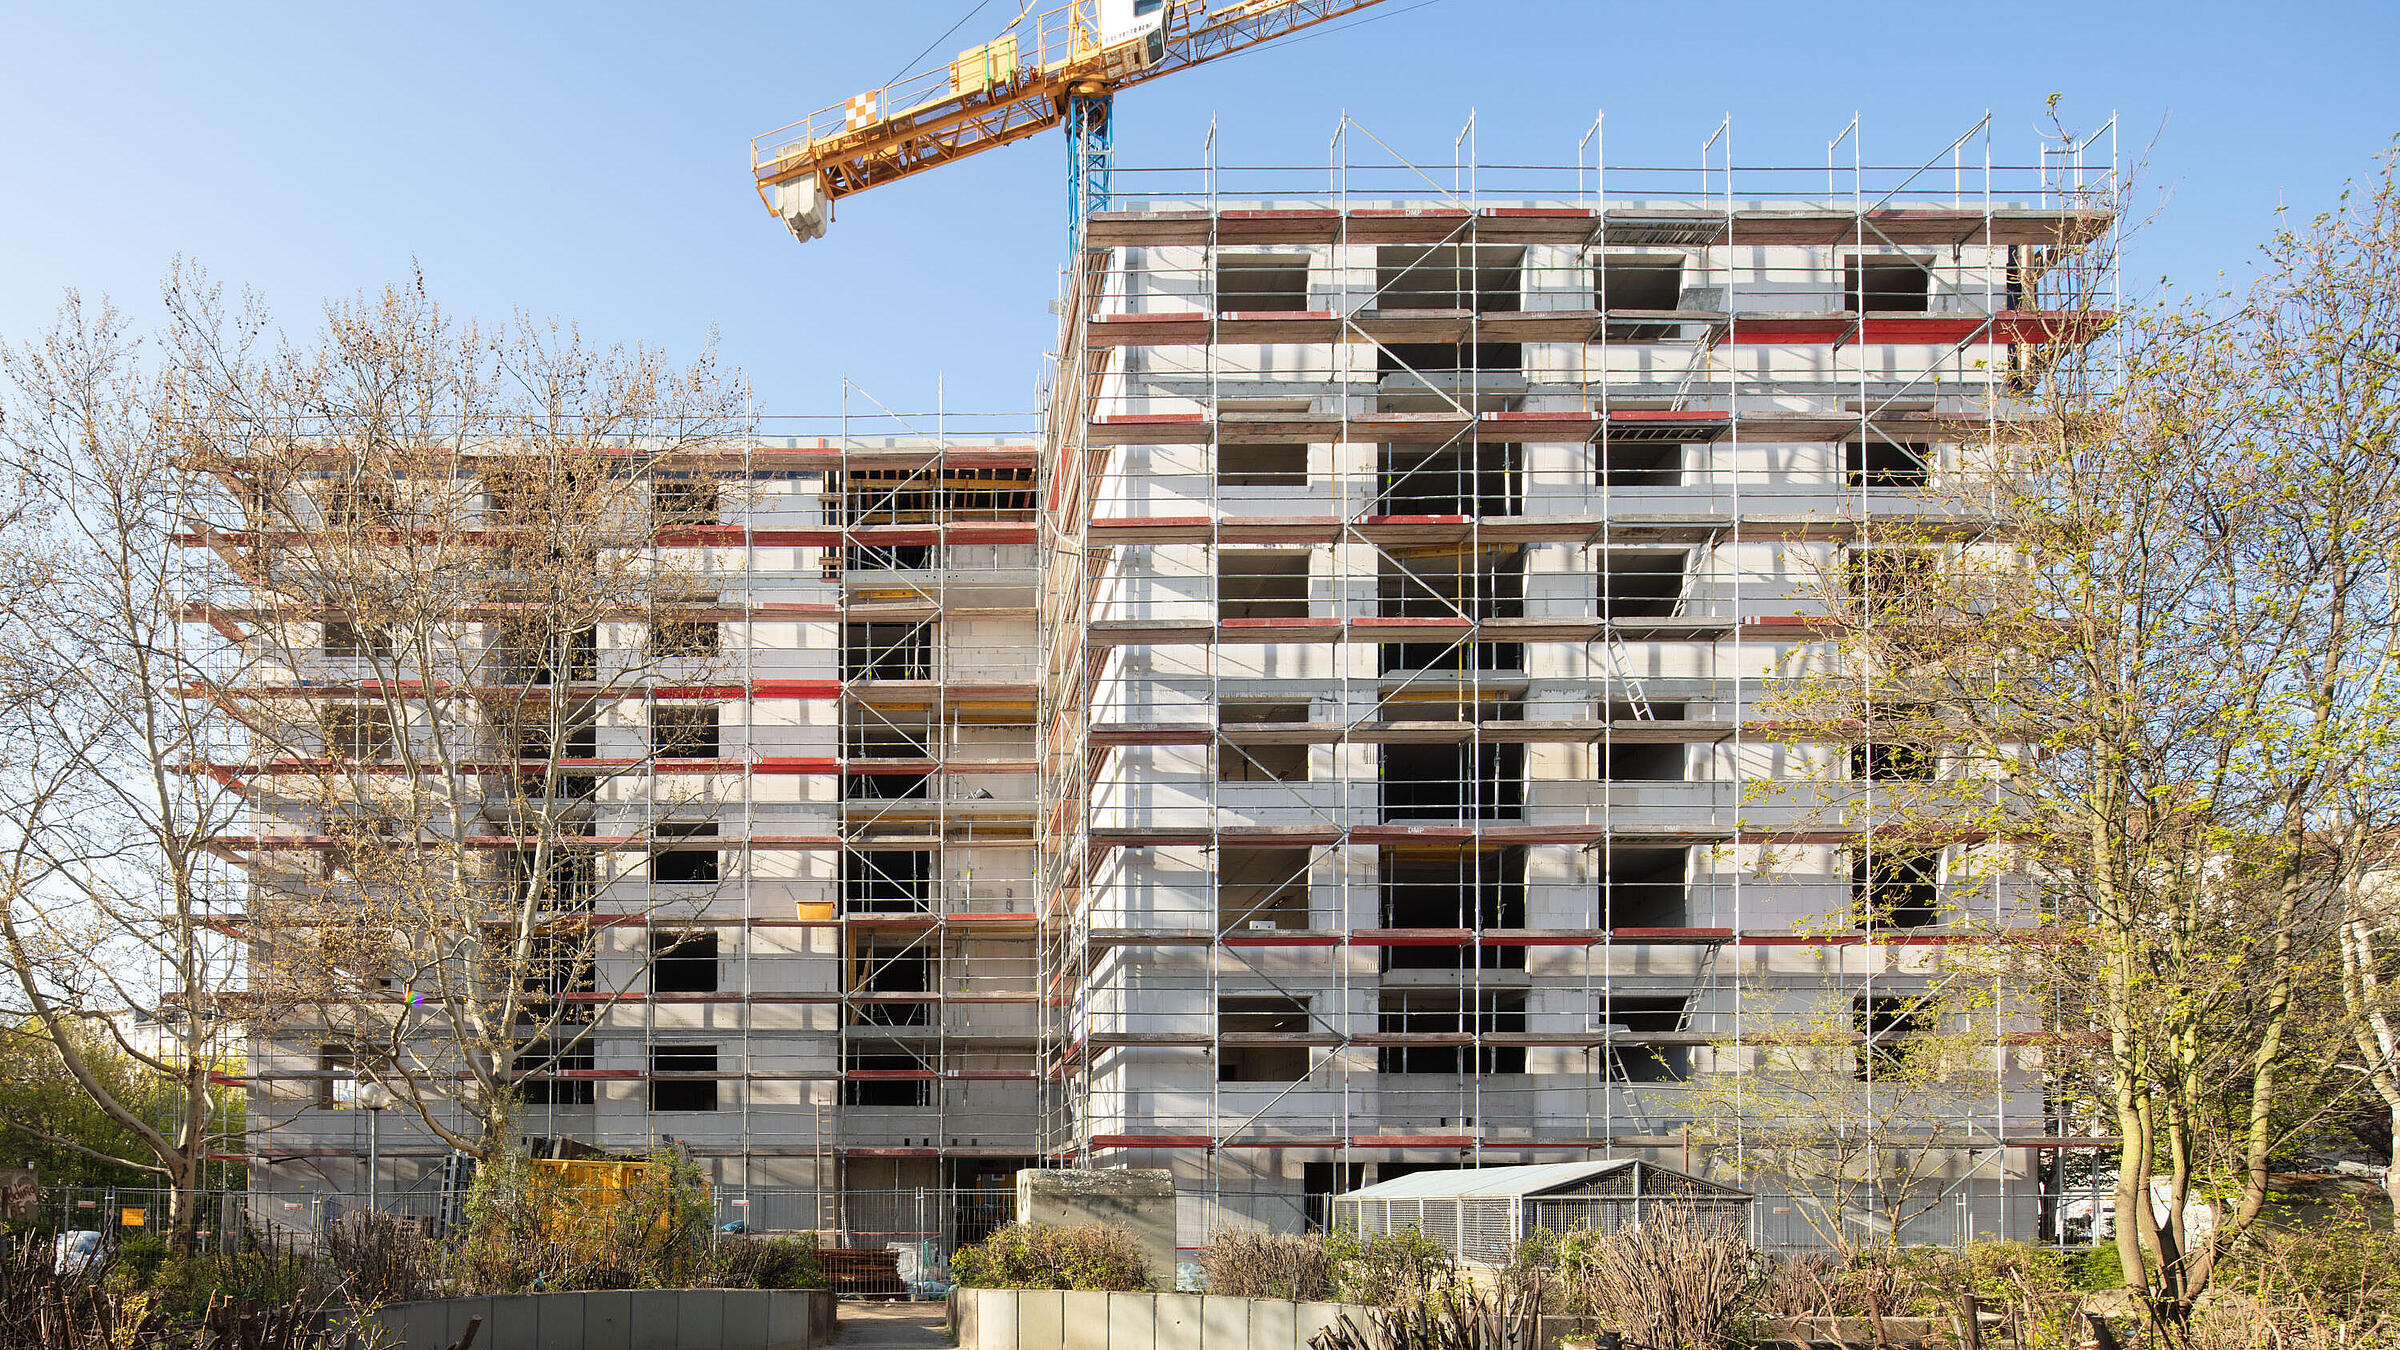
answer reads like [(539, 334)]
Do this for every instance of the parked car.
[(76, 1252)]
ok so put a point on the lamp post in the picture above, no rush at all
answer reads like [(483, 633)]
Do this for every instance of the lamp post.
[(374, 1097)]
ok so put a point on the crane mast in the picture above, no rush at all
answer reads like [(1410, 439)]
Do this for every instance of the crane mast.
[(1060, 68)]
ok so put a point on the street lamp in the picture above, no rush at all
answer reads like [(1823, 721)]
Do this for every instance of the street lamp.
[(373, 1097)]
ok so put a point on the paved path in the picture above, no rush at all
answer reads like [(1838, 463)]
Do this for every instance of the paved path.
[(890, 1326)]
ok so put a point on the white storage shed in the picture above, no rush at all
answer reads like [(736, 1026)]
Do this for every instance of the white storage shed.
[(1480, 1214)]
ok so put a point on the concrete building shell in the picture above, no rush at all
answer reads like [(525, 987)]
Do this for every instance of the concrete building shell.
[(1329, 747)]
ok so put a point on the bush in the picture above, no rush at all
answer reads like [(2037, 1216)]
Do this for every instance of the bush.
[(2099, 1268), (527, 1231), (1388, 1270), (257, 1275), (203, 1301), (381, 1259), (1053, 1256), (1252, 1263), (1871, 1282), (2339, 1275), (2031, 1289), (1451, 1314), (765, 1263), (138, 1259), (1806, 1284), (1671, 1282)]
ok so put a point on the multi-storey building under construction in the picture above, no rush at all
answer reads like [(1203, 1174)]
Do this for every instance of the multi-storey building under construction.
[(1331, 746)]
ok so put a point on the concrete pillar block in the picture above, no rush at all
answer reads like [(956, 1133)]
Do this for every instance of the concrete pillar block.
[(790, 1320), (562, 1323), (412, 1323), (652, 1319), (997, 1320), (515, 1319), (1178, 1325), (1139, 1199), (962, 1305), (460, 1311), (1273, 1324), (1041, 1318), (1085, 1317), (1310, 1318), (699, 1318), (1224, 1323), (1133, 1322), (608, 1320), (742, 1323)]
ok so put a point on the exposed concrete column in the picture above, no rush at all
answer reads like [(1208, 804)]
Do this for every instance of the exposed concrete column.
[(1138, 1199)]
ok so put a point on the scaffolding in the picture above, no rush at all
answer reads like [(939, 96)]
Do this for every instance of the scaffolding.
[(1418, 541), (1325, 741), (836, 1002)]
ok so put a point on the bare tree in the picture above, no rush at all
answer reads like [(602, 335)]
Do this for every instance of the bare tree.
[(471, 578), (332, 679), (1860, 1113), (109, 893)]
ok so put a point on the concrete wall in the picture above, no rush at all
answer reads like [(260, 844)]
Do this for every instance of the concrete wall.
[(620, 1319), (1140, 1200), (1052, 1319)]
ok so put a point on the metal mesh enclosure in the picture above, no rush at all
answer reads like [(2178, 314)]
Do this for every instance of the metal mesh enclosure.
[(1479, 1215), (1487, 1229)]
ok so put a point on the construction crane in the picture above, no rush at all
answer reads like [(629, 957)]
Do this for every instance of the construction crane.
[(1061, 69)]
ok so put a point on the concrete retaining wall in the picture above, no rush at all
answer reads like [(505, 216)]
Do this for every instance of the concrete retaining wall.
[(1140, 1200), (620, 1319), (1052, 1319)]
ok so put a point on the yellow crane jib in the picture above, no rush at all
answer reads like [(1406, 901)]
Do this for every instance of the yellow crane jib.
[(1004, 90)]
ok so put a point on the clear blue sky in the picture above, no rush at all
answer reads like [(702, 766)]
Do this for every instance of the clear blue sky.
[(590, 161)]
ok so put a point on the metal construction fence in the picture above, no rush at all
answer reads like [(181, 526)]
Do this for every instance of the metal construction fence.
[(946, 1217), (927, 1224)]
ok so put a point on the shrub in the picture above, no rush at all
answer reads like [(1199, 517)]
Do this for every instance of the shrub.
[(1449, 1315), (2030, 1289), (138, 1259), (2099, 1268), (765, 1263), (1671, 1282), (1053, 1256), (2338, 1272), (1388, 1270), (527, 1231), (1252, 1263), (663, 1219), (380, 1259), (40, 1307), (256, 1275), (1870, 1282), (1806, 1284)]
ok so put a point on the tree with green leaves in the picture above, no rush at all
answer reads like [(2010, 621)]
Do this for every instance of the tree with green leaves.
[(2156, 680), (50, 1123)]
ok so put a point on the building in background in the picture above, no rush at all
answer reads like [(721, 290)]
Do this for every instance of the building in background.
[(1328, 749), (1416, 567)]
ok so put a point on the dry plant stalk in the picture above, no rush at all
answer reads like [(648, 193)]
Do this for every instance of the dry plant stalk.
[(1254, 1263), (1671, 1282)]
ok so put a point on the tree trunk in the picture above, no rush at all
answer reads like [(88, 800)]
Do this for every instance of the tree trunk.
[(2391, 1171), (185, 1209)]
